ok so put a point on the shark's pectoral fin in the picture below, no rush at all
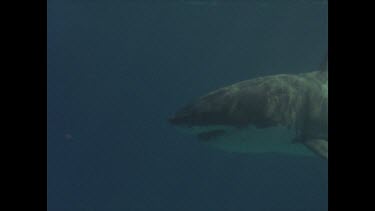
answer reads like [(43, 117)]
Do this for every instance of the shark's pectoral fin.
[(319, 146)]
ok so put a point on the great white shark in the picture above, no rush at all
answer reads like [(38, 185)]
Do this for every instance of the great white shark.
[(283, 113)]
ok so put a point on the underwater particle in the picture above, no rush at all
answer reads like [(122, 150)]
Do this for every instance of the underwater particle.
[(68, 136)]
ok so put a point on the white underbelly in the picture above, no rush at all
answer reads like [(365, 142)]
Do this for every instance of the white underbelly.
[(252, 140)]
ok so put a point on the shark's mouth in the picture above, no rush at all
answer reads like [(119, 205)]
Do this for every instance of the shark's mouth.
[(209, 135), (248, 139)]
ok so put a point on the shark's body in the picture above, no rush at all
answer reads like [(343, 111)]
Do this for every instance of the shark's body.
[(283, 113)]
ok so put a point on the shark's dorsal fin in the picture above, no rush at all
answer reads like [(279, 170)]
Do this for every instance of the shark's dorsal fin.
[(324, 65)]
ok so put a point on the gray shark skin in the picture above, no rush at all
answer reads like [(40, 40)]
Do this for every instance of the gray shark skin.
[(285, 113)]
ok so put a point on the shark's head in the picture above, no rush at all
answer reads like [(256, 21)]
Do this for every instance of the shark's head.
[(207, 119), (228, 106), (238, 119)]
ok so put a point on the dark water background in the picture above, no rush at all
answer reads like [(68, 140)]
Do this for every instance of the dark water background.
[(118, 69)]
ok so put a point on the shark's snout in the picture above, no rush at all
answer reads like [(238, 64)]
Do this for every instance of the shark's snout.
[(184, 116), (200, 113), (190, 122), (176, 120)]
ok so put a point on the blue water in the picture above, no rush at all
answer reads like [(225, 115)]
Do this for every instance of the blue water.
[(117, 69)]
